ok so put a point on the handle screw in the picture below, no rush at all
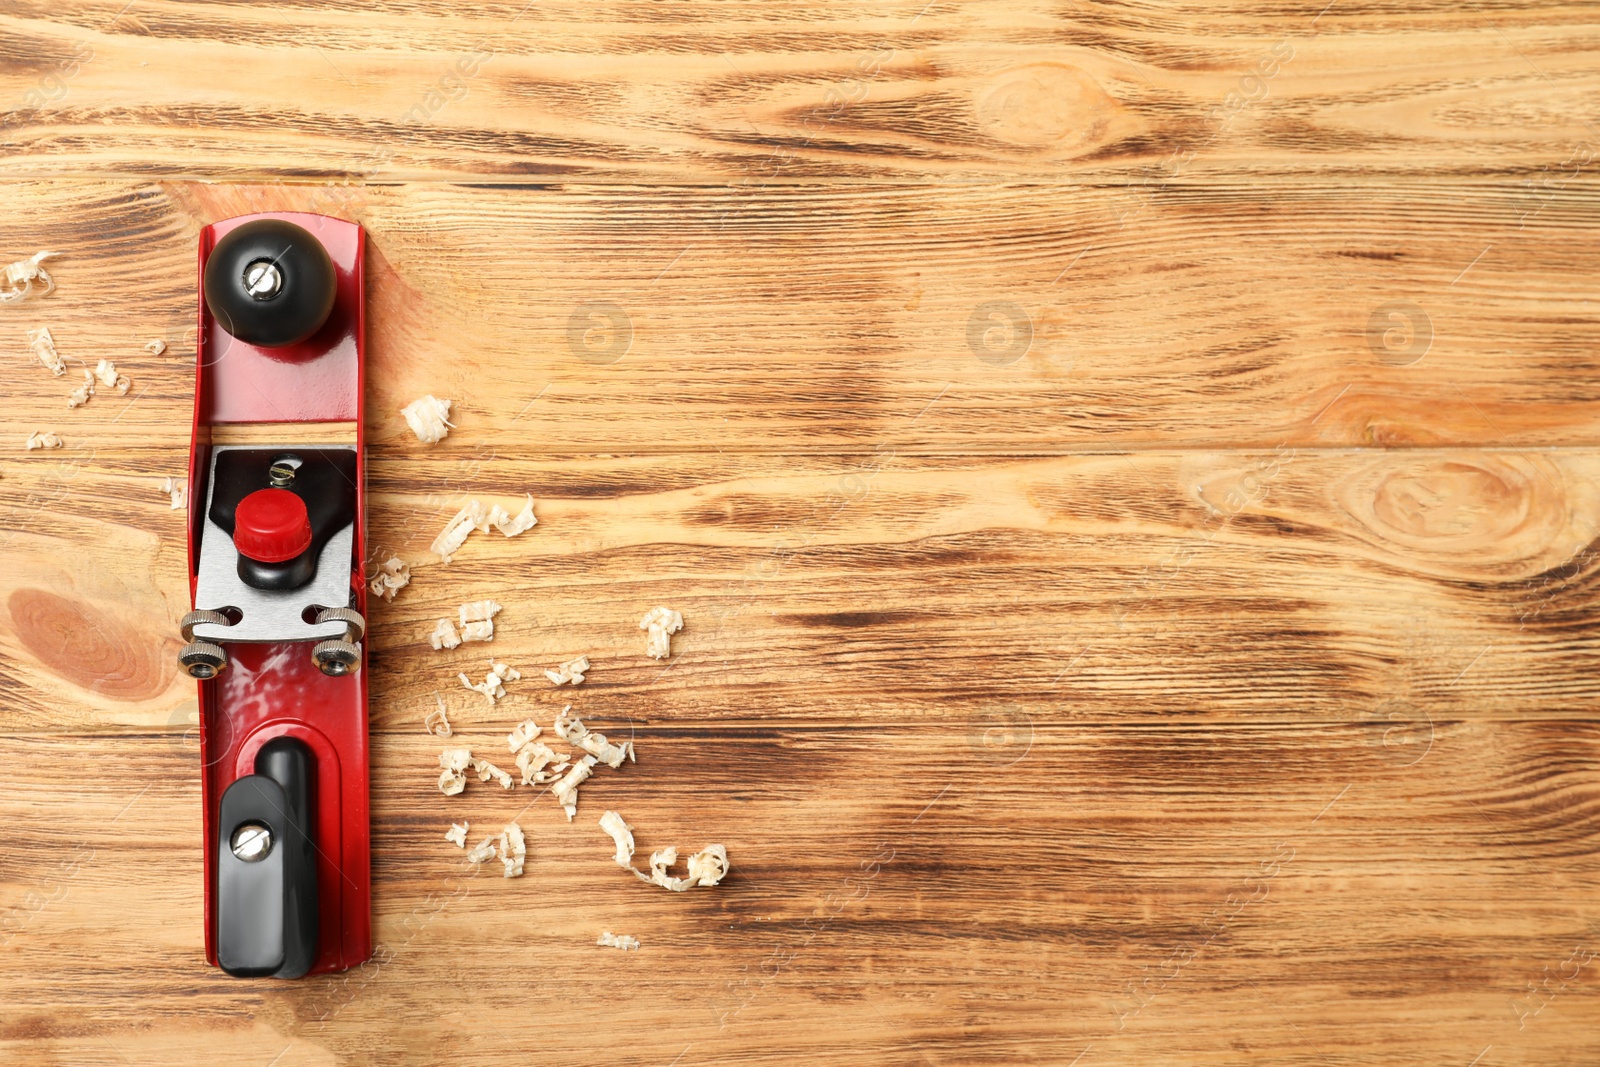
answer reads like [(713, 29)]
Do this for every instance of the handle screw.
[(251, 841)]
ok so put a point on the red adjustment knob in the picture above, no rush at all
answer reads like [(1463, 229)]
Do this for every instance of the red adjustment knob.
[(271, 526)]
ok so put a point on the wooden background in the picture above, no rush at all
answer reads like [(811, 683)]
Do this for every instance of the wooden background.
[(1128, 470)]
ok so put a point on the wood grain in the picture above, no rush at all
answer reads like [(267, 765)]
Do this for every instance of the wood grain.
[(1285, 587), (764, 92), (994, 318), (1099, 889), (1128, 471)]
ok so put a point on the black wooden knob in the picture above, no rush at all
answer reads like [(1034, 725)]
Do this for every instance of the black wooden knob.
[(270, 283)]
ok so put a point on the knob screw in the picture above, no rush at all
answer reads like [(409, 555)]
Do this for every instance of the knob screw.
[(263, 279)]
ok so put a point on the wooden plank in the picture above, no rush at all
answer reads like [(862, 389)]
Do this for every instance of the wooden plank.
[(762, 92), (894, 894), (933, 319), (1390, 591), (277, 433)]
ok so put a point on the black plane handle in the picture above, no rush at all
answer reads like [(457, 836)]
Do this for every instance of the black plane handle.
[(266, 866)]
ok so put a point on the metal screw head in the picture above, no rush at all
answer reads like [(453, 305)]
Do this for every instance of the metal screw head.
[(281, 473), (251, 841), (262, 279)]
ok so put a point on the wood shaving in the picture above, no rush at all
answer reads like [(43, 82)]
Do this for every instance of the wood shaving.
[(511, 527), (44, 346), (706, 868), (493, 685), (106, 371), (477, 620), (80, 396), (457, 834), (156, 347), (457, 530), (662, 623), (429, 419), (483, 853), (177, 490), (436, 721), (570, 672), (521, 734), (42, 440), (623, 941), (478, 631), (540, 764), (513, 850), (474, 517), (622, 834), (566, 789), (570, 729), (20, 276), (478, 611), (453, 778), (444, 635), (394, 574), (487, 770)]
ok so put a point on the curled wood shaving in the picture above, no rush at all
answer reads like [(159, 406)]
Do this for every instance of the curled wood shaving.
[(565, 790), (539, 763), (44, 346), (429, 419), (483, 853), (570, 672), (453, 777), (477, 620), (511, 527), (493, 685), (80, 396), (521, 734), (570, 729), (42, 440), (106, 371), (156, 347), (436, 721), (478, 631), (20, 276), (622, 834), (394, 574), (475, 517), (457, 530), (478, 611), (487, 770), (457, 834), (177, 490), (706, 868), (623, 941), (661, 624), (513, 850), (444, 635)]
